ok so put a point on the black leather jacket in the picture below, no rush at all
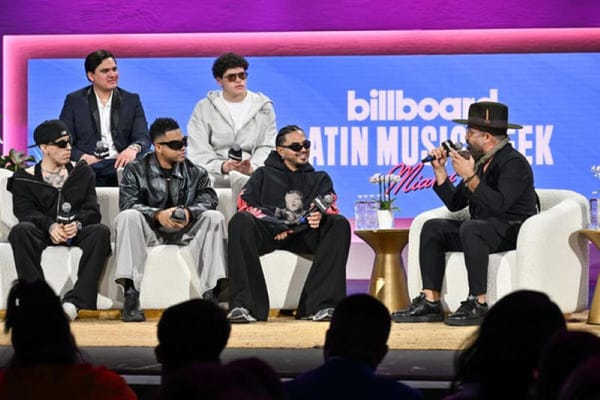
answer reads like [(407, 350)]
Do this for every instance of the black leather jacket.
[(144, 188)]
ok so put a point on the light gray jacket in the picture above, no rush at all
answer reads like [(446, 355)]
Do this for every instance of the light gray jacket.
[(211, 133)]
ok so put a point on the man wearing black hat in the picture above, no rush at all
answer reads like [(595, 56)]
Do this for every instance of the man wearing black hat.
[(55, 202), (497, 186)]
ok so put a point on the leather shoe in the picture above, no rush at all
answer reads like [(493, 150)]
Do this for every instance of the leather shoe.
[(470, 312), (131, 307), (420, 310)]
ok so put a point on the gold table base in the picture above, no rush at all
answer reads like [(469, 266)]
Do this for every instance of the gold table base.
[(388, 278), (594, 315)]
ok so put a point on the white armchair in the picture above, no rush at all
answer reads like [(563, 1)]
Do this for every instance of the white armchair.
[(550, 256)]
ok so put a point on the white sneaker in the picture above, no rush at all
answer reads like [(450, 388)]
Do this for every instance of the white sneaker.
[(70, 310)]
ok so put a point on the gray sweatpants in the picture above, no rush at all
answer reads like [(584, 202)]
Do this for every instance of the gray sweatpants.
[(204, 244)]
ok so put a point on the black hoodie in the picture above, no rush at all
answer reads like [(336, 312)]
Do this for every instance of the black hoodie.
[(264, 195)]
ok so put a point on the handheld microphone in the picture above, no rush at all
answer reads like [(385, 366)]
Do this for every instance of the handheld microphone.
[(447, 145), (65, 216), (321, 204), (101, 150), (235, 153), (178, 214)]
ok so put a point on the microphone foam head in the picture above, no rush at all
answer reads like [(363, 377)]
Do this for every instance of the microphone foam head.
[(66, 207)]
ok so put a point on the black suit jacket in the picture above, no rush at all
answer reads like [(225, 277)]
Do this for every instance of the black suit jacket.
[(127, 120)]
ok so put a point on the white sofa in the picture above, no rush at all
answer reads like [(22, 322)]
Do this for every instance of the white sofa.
[(550, 256), (167, 275)]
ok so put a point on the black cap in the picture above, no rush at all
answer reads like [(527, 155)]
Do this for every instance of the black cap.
[(49, 131)]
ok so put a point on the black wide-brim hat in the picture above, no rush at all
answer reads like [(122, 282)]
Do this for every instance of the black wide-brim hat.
[(488, 114)]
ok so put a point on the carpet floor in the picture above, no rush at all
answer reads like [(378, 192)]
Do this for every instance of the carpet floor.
[(282, 332)]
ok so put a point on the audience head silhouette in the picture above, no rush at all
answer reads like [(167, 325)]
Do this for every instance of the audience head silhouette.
[(583, 382), (359, 330), (563, 353), (192, 331), (40, 331), (504, 353)]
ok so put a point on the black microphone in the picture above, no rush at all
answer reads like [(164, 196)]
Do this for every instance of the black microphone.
[(101, 150), (178, 214), (447, 145), (321, 204), (235, 153), (65, 216)]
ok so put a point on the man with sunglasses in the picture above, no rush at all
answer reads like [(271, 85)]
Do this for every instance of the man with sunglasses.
[(107, 123), (55, 202), (231, 117), (257, 229), (165, 198), (497, 186)]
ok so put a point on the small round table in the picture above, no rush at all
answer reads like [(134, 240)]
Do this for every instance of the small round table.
[(388, 278), (593, 236)]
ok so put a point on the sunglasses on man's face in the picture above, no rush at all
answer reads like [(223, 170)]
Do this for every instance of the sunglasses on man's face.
[(175, 144), (297, 146), (234, 77), (60, 144)]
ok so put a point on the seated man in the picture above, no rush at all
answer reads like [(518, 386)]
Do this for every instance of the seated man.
[(497, 185), (56, 204), (355, 345), (256, 229), (231, 129), (165, 198), (107, 124)]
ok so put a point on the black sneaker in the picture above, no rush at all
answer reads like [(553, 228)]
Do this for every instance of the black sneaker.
[(322, 315), (420, 310), (470, 312), (131, 307), (240, 315)]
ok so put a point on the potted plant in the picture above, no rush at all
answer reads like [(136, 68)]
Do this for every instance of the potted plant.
[(15, 160), (385, 212)]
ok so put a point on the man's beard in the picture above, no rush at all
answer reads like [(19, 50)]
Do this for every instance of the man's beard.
[(475, 153)]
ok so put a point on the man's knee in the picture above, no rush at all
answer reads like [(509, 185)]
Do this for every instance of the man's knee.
[(339, 223), (241, 220), (21, 232), (100, 233), (213, 217), (128, 217)]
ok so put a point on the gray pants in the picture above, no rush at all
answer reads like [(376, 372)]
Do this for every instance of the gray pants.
[(204, 244)]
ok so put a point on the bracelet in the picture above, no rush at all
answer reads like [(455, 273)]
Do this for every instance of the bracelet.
[(136, 147), (469, 178)]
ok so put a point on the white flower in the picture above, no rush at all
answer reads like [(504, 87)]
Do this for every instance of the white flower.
[(376, 178)]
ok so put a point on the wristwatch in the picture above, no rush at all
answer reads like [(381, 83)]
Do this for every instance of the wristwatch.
[(79, 225), (136, 147)]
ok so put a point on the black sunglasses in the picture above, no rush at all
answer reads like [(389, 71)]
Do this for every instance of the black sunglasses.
[(233, 77), (175, 144), (61, 144), (297, 146)]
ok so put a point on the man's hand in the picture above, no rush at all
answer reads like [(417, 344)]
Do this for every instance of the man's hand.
[(463, 166), (90, 159), (70, 230), (125, 157), (57, 233), (229, 166), (314, 219), (283, 235), (164, 219), (245, 167), (439, 164)]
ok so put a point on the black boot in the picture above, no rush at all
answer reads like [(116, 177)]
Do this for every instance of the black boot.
[(131, 307)]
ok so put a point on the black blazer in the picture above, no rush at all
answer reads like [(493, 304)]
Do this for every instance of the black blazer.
[(127, 120)]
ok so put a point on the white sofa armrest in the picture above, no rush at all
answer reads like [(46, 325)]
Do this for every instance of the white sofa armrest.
[(413, 269)]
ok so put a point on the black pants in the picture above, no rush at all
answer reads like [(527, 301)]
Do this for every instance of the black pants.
[(325, 286), (28, 242), (476, 238)]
